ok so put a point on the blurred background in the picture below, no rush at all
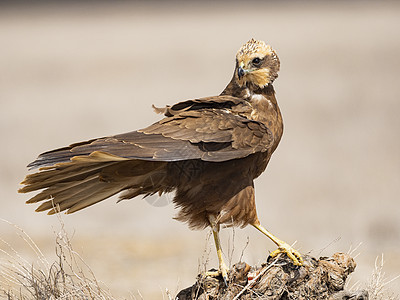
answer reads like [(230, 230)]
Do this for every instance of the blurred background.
[(71, 71)]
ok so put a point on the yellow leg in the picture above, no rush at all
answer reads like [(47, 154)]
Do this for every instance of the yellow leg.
[(282, 246), (223, 269)]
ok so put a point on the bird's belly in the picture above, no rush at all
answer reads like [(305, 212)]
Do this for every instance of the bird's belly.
[(222, 189)]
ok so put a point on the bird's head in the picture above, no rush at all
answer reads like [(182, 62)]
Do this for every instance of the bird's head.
[(256, 64)]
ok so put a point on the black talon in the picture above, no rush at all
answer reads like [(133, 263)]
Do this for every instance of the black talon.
[(225, 280)]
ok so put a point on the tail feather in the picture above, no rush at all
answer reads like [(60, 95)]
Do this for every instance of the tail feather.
[(99, 196), (66, 173), (72, 190), (86, 180), (57, 189), (77, 168)]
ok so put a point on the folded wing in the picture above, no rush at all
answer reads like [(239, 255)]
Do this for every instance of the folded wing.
[(213, 129), (196, 129)]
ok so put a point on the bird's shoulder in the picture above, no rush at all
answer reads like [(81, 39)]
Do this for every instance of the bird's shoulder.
[(226, 103)]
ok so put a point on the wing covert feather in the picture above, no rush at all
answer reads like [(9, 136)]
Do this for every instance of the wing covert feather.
[(218, 126), (210, 129)]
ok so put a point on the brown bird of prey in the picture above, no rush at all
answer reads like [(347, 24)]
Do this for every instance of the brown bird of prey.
[(208, 151)]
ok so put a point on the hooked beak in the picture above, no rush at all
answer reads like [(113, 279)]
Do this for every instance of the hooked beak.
[(240, 72)]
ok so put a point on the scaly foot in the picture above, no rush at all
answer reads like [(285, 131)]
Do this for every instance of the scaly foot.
[(293, 254)]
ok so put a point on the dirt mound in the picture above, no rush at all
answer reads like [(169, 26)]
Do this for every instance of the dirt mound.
[(322, 278)]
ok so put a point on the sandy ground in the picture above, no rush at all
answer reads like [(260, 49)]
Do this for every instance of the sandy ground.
[(70, 73)]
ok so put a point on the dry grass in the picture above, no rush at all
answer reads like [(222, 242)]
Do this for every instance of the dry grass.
[(69, 277), (379, 285)]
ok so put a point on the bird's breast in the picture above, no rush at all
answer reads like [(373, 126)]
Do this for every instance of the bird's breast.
[(257, 99), (266, 111), (263, 109)]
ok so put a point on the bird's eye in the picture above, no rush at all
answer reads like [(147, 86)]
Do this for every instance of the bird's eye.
[(256, 61)]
